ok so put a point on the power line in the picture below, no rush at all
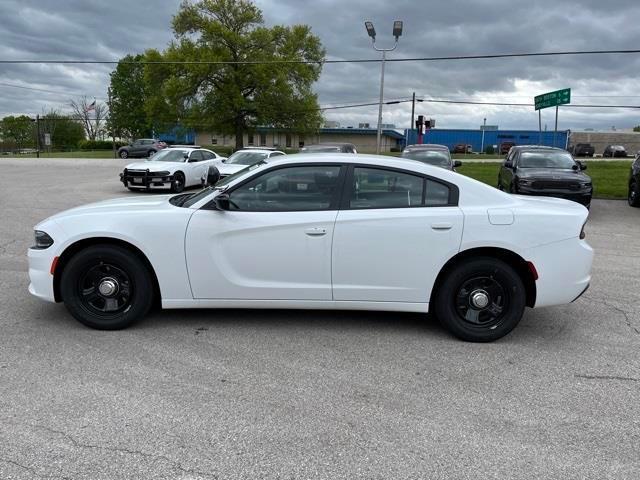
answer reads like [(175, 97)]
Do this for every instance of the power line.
[(325, 61)]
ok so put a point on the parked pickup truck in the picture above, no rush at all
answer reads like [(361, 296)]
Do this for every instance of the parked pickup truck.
[(582, 150)]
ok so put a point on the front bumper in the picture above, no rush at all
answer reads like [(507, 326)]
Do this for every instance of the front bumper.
[(40, 275), (581, 197), (146, 179)]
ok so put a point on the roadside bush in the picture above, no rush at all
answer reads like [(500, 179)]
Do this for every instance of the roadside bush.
[(489, 150), (98, 144)]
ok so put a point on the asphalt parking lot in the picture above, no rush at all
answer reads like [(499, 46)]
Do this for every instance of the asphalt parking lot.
[(296, 394)]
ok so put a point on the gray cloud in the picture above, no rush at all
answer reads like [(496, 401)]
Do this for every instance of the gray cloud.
[(82, 29)]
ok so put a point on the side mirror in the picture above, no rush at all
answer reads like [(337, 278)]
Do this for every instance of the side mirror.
[(213, 176), (457, 163), (222, 201), (508, 164)]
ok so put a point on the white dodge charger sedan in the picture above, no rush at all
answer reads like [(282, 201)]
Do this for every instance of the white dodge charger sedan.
[(245, 157), (175, 168), (321, 231)]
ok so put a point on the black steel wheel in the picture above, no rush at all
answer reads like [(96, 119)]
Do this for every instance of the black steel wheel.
[(178, 182), (106, 287), (634, 194), (124, 154), (151, 153), (480, 299)]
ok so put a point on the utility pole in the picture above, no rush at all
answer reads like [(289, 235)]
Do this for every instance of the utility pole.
[(38, 135), (484, 127), (555, 131), (413, 110), (113, 133), (540, 126), (397, 32)]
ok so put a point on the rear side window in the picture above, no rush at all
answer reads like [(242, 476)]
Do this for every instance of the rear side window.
[(380, 188), (374, 188)]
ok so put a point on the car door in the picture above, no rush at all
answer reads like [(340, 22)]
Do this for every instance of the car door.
[(274, 241), (394, 232), (136, 148), (506, 173), (195, 168)]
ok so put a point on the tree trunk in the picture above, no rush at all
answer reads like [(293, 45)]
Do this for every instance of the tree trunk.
[(239, 134)]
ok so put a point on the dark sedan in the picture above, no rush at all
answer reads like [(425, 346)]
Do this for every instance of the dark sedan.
[(634, 182), (614, 151), (546, 171), (143, 147), (431, 154)]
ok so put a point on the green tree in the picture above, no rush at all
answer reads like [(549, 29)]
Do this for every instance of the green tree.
[(127, 114), (234, 98), (18, 131), (636, 129), (65, 131)]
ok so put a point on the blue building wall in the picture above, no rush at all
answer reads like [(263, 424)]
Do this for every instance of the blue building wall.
[(178, 135), (451, 137)]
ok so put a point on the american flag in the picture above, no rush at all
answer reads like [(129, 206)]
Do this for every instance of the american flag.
[(90, 107)]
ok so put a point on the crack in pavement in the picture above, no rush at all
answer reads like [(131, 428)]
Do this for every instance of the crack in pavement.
[(177, 465), (32, 470), (606, 377), (624, 313)]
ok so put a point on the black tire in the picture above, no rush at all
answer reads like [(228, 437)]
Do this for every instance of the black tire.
[(177, 185), (634, 194), (123, 154), (91, 268), (500, 187), (151, 153), (133, 189), (512, 188), (505, 294)]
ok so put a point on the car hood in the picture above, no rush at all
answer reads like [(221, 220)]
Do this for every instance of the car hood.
[(155, 166), (118, 205), (552, 174)]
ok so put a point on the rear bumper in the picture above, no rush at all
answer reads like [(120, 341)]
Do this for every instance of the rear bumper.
[(564, 271)]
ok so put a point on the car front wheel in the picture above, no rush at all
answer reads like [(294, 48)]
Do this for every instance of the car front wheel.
[(124, 154), (178, 183), (480, 300), (106, 287), (634, 194)]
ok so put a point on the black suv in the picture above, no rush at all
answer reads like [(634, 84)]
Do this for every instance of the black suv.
[(547, 171), (143, 147), (582, 150), (634, 182)]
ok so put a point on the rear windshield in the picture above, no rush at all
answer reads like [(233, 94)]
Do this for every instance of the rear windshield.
[(439, 158), (246, 157)]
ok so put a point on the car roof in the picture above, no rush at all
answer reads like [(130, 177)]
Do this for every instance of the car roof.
[(329, 144), (426, 146), (259, 150), (537, 147), (271, 149)]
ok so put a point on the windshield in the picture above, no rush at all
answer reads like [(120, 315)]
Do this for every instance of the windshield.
[(320, 149), (439, 158), (546, 160), (222, 183), (169, 155), (244, 157)]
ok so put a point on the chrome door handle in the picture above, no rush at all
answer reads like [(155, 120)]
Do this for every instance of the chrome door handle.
[(315, 231), (442, 226)]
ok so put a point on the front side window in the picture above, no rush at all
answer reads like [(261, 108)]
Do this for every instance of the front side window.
[(196, 156), (377, 188), (288, 189)]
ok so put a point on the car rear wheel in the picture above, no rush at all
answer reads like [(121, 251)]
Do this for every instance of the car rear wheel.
[(106, 287), (178, 183), (480, 300), (634, 194), (124, 154), (151, 153)]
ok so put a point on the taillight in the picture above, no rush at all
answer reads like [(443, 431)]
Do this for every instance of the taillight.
[(582, 234)]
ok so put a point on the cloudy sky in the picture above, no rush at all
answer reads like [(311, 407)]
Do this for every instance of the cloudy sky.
[(90, 29)]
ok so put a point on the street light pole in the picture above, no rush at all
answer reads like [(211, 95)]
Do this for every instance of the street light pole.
[(484, 127), (397, 32)]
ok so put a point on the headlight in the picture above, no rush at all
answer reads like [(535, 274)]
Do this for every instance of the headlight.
[(586, 184), (42, 240)]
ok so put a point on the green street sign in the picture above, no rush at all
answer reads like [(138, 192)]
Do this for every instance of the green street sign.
[(552, 99)]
